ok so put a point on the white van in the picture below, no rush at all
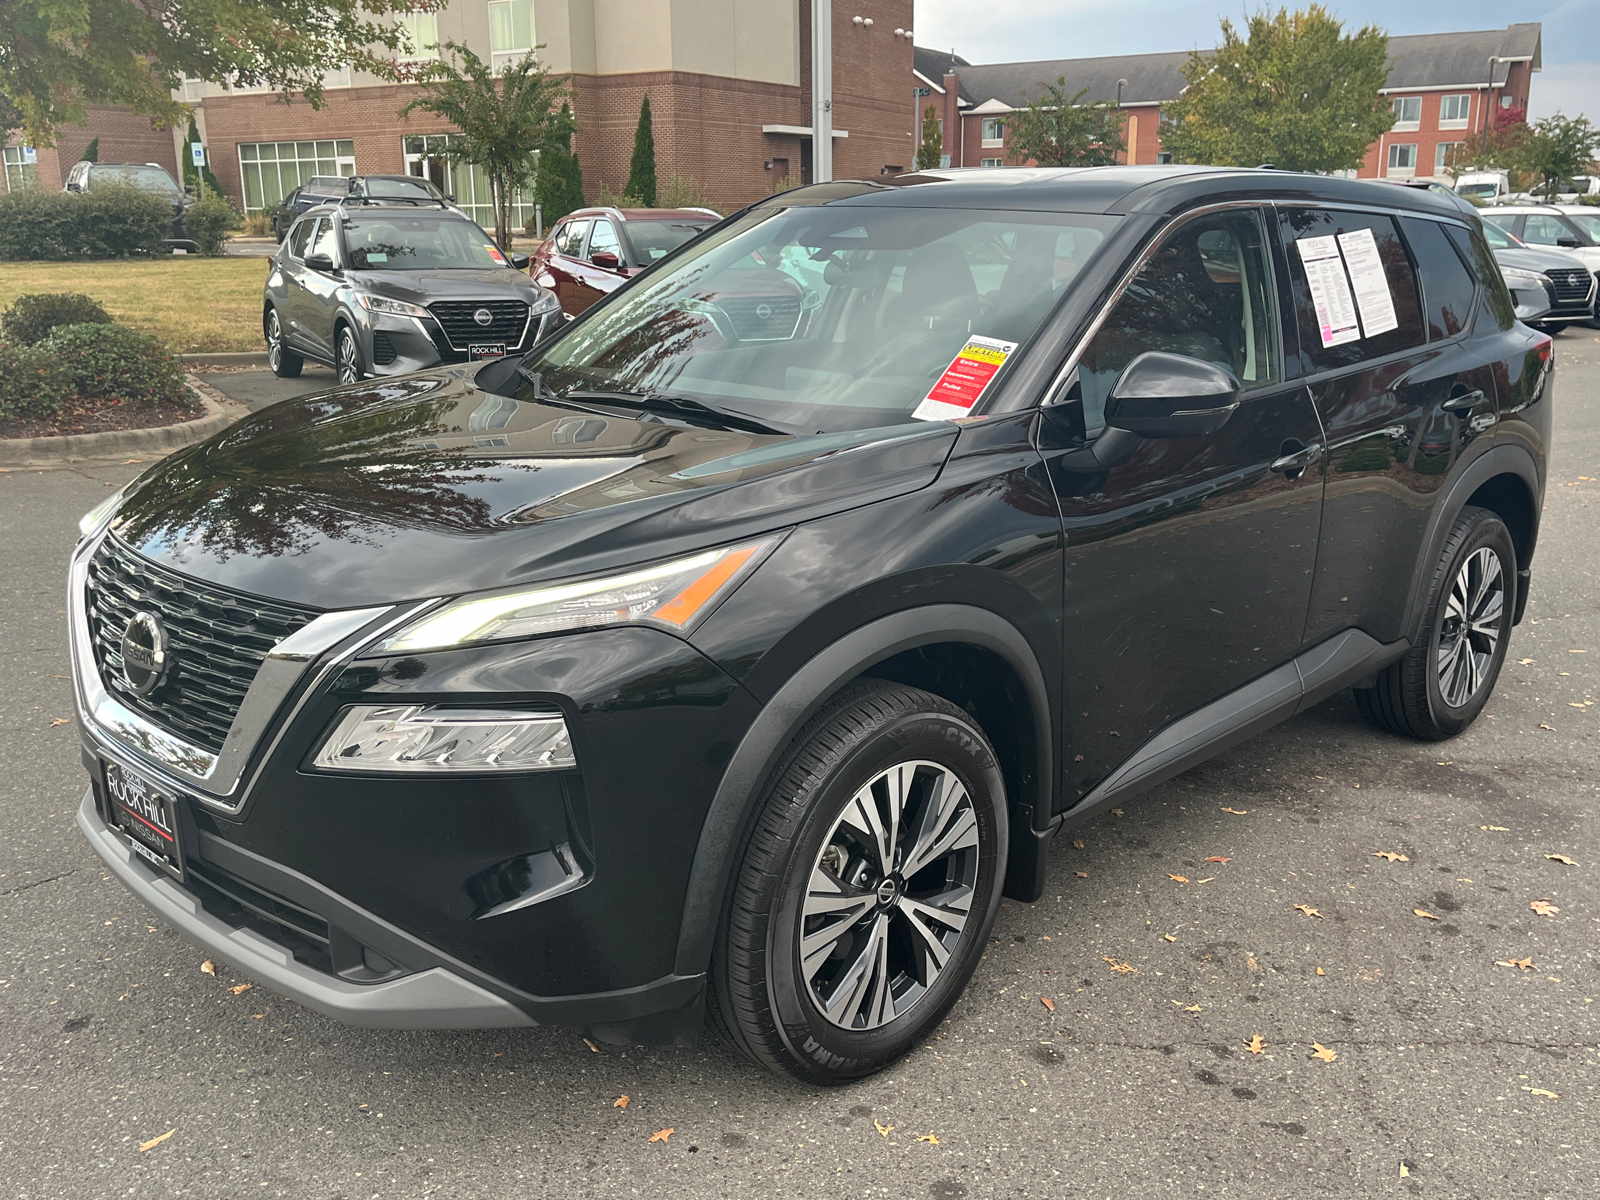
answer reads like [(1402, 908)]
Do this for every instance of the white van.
[(1483, 186)]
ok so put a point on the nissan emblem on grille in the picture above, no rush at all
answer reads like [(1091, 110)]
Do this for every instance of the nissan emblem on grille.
[(483, 316), (145, 658)]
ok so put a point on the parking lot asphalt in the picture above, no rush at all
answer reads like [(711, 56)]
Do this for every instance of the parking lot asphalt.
[(1245, 897)]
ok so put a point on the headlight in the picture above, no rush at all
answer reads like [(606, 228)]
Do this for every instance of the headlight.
[(1516, 277), (545, 303), (382, 304), (671, 595), (98, 517), (415, 738)]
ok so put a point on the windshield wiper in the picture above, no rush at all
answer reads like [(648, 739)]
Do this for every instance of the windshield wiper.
[(677, 406)]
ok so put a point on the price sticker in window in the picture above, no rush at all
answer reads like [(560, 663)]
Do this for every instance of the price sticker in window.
[(1330, 290), (964, 380), (494, 253)]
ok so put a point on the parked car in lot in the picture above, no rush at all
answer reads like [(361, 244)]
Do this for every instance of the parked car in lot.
[(147, 177), (330, 189), (728, 655), (1554, 281), (1487, 187), (378, 287), (592, 252)]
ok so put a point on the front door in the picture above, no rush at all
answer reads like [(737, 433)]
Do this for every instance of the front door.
[(1188, 567), (313, 305)]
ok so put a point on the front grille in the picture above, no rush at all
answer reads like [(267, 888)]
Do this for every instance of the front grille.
[(455, 317), (1571, 286), (217, 640), (244, 905), (756, 319), (382, 349)]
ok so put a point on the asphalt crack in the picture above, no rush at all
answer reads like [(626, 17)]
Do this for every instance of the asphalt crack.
[(36, 883)]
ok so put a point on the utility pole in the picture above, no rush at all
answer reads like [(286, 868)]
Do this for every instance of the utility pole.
[(917, 93), (821, 91), (1488, 107)]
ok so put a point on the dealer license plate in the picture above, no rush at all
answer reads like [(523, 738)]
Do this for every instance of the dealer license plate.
[(147, 817), (479, 351)]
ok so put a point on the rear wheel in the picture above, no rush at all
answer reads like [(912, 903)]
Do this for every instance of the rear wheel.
[(1443, 682), (285, 363), (349, 356), (868, 886)]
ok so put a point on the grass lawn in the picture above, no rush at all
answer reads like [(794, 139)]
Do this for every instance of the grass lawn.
[(191, 303)]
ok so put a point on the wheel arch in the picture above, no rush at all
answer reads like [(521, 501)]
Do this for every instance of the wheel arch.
[(942, 645)]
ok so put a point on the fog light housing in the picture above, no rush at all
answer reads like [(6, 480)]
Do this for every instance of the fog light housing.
[(415, 738)]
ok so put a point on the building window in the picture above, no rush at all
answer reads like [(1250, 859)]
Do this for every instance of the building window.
[(1441, 154), (1454, 110), (1407, 112), (194, 89), (944, 161), (428, 157), (339, 78), (271, 170), (1164, 157), (21, 167), (419, 35), (994, 132), (992, 162), (510, 32), (1403, 159), (1508, 101)]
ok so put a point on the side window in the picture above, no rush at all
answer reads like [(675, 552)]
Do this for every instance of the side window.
[(1355, 294), (1543, 230), (1206, 293), (1505, 221), (300, 237), (1448, 288), (1495, 300), (604, 237), (571, 243), (325, 241)]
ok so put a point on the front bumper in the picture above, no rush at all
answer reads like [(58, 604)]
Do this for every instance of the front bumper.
[(396, 345)]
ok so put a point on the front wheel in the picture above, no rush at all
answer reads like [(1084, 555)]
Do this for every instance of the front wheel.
[(1442, 683), (868, 887), (349, 355), (285, 363)]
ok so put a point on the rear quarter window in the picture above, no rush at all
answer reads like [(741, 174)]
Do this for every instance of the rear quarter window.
[(1448, 286)]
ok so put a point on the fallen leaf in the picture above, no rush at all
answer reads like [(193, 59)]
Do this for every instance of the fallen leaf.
[(1425, 914), (1561, 858), (258, 1016), (1577, 652), (1521, 964), (1551, 728), (661, 1135), (1525, 661), (1255, 1045), (1318, 1050), (591, 1045), (241, 989), (58, 721), (1308, 910), (1238, 812), (1404, 1173), (1207, 879), (1544, 908), (156, 1141), (621, 1101), (929, 1138), (1121, 968), (1048, 1003), (1168, 937), (1118, 812), (1320, 971), (1194, 1008), (1218, 858), (1494, 828), (885, 1130), (1177, 878), (1536, 1092), (1081, 874), (1250, 961), (1077, 843), (208, 967), (1390, 855)]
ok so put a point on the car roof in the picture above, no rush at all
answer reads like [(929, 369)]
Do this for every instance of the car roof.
[(646, 214), (1112, 190), (385, 204), (1532, 207)]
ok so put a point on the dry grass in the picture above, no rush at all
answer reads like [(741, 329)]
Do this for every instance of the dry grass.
[(193, 304)]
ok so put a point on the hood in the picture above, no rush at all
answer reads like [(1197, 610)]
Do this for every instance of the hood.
[(426, 485), (1533, 258), (463, 283)]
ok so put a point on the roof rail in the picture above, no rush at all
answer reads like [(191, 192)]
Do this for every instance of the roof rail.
[(382, 200)]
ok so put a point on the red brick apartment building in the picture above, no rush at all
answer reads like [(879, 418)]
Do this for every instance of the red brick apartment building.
[(729, 83), (1442, 87)]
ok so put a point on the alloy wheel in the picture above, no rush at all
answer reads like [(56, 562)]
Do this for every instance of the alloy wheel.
[(890, 894), (349, 358), (274, 342), (1471, 628)]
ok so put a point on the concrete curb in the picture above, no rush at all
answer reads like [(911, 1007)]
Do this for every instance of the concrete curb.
[(232, 358), (155, 442)]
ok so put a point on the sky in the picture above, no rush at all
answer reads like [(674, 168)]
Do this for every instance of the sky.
[(1025, 30)]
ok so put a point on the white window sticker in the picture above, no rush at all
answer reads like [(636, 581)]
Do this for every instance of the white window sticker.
[(964, 380), (1370, 282), (1330, 291)]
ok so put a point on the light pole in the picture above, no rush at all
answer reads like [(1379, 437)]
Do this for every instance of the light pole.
[(1121, 83), (917, 93), (821, 91), (1488, 96)]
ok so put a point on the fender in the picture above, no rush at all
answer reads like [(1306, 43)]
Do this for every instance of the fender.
[(802, 695), (1504, 459)]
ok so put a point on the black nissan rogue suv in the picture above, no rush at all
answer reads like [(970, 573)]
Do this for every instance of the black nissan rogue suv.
[(733, 651)]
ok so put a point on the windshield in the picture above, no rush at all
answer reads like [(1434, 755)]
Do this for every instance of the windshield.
[(1484, 191), (1589, 223), (398, 241), (146, 179), (401, 189), (656, 239), (830, 318)]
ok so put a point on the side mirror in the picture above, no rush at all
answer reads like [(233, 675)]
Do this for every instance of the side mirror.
[(319, 262), (606, 259), (449, 198), (1568, 243), (1161, 395), (520, 261)]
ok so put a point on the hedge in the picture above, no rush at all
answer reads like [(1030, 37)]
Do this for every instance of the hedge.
[(209, 222), (109, 221), (31, 318), (116, 364), (33, 382)]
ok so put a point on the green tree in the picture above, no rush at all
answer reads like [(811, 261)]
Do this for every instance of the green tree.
[(56, 57), (642, 171), (560, 186), (931, 149), (1058, 130), (91, 152), (1297, 92), (1557, 148), (192, 175), (500, 121)]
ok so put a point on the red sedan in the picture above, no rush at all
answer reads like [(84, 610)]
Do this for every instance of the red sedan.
[(594, 251)]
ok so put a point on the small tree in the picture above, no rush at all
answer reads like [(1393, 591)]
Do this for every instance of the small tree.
[(1297, 92), (1557, 148), (1058, 130), (559, 189), (930, 151), (91, 152), (500, 121), (642, 171)]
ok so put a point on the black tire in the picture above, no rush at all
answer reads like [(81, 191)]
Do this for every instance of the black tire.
[(285, 363), (1442, 683), (763, 998), (347, 361)]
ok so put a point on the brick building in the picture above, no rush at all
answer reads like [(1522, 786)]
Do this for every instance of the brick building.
[(728, 81), (1442, 86), (124, 137)]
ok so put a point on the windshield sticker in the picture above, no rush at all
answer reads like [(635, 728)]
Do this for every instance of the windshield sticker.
[(1330, 291), (964, 380), (494, 253), (1371, 284), (375, 256)]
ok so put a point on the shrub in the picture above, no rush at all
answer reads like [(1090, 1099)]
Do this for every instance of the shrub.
[(258, 224), (115, 363), (682, 191), (32, 381), (604, 197), (209, 222), (31, 318), (107, 222)]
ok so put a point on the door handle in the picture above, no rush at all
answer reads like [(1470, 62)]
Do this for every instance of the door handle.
[(1296, 458), (1463, 402)]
